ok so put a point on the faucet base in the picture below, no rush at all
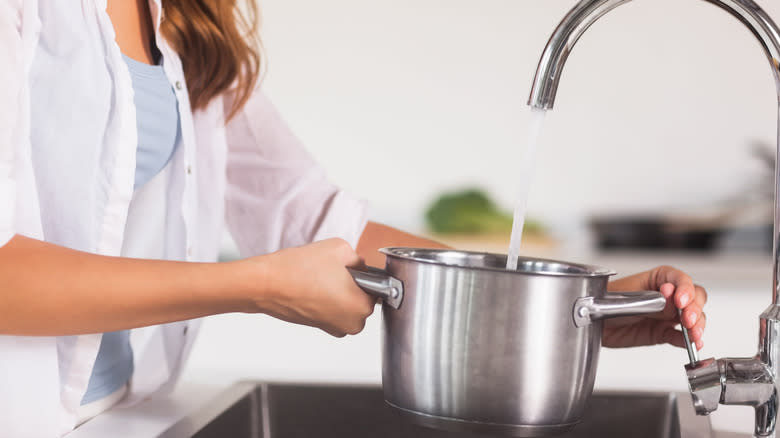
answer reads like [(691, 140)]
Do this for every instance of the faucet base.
[(735, 381)]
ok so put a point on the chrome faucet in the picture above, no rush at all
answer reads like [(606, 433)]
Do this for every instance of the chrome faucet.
[(750, 381)]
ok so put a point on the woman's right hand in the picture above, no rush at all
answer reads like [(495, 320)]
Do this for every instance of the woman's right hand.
[(309, 285)]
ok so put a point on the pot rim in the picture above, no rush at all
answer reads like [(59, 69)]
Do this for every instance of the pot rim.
[(561, 268)]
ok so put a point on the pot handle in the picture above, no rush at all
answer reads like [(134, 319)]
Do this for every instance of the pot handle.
[(378, 283), (616, 304)]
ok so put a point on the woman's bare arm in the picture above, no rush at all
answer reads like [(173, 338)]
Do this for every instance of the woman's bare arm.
[(51, 290), (376, 236)]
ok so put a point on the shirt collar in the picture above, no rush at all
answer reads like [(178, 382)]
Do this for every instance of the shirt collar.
[(156, 9)]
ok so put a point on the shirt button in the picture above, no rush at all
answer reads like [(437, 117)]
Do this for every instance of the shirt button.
[(189, 251), (186, 329), (179, 86), (189, 170)]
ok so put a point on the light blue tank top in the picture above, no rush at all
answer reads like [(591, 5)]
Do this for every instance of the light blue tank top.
[(157, 119)]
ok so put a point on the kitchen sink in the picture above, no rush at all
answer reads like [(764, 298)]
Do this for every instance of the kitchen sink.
[(271, 410)]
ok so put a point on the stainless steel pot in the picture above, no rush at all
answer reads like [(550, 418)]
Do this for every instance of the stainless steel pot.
[(471, 346)]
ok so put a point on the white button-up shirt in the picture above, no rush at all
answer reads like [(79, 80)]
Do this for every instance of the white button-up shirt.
[(67, 161)]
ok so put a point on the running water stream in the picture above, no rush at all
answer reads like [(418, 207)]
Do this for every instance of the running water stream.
[(525, 175)]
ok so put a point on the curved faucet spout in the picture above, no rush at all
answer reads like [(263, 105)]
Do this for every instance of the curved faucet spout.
[(750, 381), (587, 12)]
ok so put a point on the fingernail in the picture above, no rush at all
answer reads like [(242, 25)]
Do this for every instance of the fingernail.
[(684, 300), (699, 332), (694, 316)]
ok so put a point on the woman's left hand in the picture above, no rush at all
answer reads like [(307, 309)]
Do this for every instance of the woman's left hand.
[(659, 328)]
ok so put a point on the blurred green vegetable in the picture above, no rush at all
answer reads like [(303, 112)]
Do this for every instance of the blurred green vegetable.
[(470, 211)]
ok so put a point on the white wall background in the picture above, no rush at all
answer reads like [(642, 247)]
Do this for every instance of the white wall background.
[(400, 99)]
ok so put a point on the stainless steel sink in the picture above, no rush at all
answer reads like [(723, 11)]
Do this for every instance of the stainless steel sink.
[(268, 410)]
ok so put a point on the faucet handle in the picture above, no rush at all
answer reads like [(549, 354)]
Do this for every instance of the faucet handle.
[(704, 377), (693, 355)]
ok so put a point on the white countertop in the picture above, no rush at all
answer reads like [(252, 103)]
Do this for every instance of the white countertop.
[(237, 347)]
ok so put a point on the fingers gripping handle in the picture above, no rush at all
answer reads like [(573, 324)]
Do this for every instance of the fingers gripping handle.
[(380, 284)]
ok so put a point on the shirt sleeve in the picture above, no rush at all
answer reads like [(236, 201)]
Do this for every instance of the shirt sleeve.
[(11, 95), (277, 196)]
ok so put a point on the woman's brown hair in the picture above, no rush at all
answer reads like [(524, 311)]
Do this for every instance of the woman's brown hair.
[(219, 47)]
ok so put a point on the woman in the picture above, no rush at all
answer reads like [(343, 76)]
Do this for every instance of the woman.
[(128, 131)]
